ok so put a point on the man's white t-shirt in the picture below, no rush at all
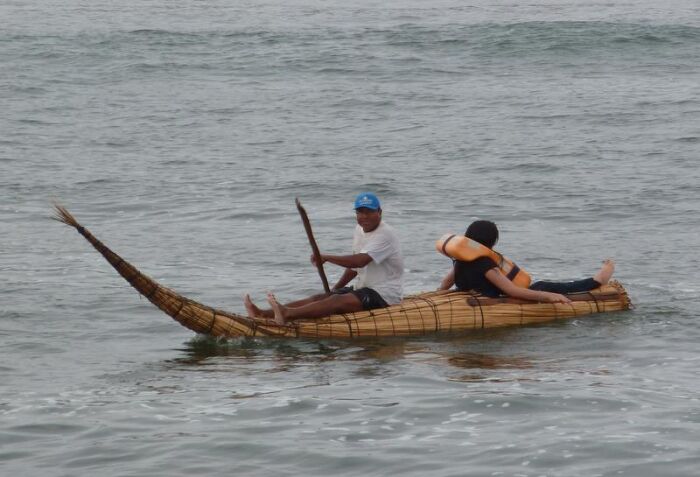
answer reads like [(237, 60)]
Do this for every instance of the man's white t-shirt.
[(384, 273)]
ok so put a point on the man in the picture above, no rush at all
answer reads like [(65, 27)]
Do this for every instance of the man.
[(376, 262)]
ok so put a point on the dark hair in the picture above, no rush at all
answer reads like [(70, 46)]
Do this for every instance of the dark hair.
[(483, 231)]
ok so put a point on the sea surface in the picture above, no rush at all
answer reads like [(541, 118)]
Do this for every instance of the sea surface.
[(180, 132)]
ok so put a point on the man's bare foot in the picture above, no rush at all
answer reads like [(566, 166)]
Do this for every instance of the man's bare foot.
[(250, 307), (605, 272), (279, 310)]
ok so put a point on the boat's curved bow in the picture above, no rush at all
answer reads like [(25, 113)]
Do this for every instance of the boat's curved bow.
[(189, 313)]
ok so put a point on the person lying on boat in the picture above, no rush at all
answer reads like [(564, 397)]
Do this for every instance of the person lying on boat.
[(376, 261), (483, 275)]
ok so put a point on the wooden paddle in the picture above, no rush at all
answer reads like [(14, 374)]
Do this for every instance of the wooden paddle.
[(314, 247)]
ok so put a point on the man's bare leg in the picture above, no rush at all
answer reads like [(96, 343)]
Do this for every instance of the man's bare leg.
[(253, 310), (605, 272), (306, 301), (330, 305)]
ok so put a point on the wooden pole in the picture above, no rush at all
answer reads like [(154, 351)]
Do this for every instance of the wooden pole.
[(314, 246)]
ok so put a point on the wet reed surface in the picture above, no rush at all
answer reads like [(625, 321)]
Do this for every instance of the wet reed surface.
[(180, 134)]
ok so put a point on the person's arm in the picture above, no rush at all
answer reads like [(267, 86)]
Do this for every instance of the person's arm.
[(510, 289), (448, 281), (357, 260), (346, 278)]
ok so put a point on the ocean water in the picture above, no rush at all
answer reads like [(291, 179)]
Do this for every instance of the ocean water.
[(180, 133)]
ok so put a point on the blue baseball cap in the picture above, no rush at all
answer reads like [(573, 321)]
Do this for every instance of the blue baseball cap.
[(367, 200)]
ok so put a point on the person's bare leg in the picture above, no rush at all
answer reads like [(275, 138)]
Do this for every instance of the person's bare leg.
[(253, 310), (306, 301), (256, 312), (280, 311), (605, 272), (330, 305)]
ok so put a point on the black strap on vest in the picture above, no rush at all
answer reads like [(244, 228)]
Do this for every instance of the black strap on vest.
[(513, 272), (444, 245)]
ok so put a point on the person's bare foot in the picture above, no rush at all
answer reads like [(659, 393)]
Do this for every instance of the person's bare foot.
[(250, 308), (278, 309), (605, 272)]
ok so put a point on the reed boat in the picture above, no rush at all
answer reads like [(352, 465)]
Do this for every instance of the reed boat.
[(417, 315)]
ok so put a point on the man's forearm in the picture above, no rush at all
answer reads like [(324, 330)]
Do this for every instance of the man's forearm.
[(346, 278), (357, 260)]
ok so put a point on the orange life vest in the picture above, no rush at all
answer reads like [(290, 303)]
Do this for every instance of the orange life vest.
[(465, 249)]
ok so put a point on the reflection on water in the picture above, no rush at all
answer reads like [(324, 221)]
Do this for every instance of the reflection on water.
[(202, 348), (370, 359), (483, 361), (274, 367)]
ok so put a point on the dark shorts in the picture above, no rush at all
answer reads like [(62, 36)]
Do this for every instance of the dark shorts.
[(370, 298)]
